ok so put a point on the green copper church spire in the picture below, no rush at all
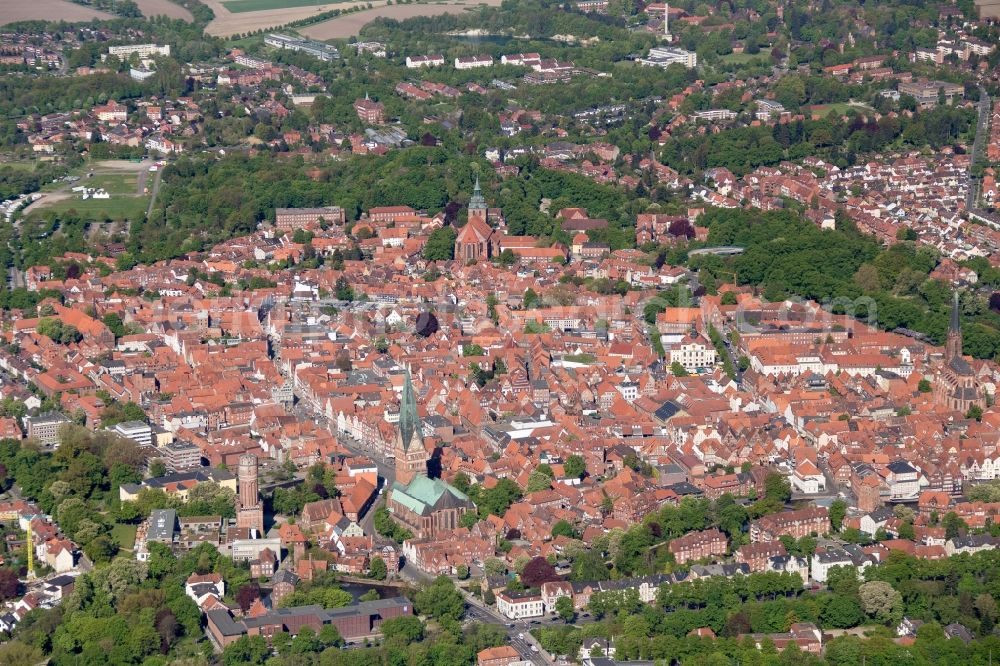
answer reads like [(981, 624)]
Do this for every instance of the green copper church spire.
[(409, 422), (477, 201)]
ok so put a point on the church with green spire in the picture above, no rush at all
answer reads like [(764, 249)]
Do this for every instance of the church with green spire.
[(424, 505), (474, 240)]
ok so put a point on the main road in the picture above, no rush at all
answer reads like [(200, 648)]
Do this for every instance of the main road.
[(385, 466), (982, 130)]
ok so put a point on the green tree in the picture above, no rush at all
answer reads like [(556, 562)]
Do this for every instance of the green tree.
[(440, 245), (531, 299), (575, 467), (440, 600), (881, 602), (564, 528), (329, 636), (306, 642), (538, 481), (838, 510), (344, 291), (777, 488), (246, 650), (953, 525), (377, 568), (407, 629), (564, 608)]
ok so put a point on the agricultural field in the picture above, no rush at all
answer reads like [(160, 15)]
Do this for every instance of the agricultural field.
[(350, 25), (12, 11), (231, 19), (240, 6), (163, 8)]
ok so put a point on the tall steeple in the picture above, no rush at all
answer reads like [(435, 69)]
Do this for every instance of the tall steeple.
[(410, 452), (953, 348), (409, 422), (477, 202)]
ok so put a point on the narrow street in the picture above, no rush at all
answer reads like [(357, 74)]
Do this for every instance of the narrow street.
[(153, 192)]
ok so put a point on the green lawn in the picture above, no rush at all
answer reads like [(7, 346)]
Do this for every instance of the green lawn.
[(741, 58), (124, 536), (114, 183), (20, 166), (239, 6)]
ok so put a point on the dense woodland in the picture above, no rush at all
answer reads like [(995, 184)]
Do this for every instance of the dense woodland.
[(786, 255)]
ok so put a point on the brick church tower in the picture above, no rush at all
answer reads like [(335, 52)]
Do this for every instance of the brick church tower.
[(249, 510)]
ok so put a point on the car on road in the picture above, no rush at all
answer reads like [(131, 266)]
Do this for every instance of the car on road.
[(521, 636)]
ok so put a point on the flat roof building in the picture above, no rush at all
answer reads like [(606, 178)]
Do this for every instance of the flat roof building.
[(138, 431), (45, 427), (665, 56)]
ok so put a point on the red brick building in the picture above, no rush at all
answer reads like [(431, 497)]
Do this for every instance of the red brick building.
[(370, 112), (756, 555), (698, 545), (795, 524), (498, 656), (353, 622)]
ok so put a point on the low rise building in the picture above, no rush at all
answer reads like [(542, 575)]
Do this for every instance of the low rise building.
[(361, 620), (520, 605)]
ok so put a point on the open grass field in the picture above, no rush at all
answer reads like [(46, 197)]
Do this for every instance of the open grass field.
[(841, 108), (164, 8), (12, 11), (124, 536), (350, 25), (240, 6), (122, 179), (115, 208)]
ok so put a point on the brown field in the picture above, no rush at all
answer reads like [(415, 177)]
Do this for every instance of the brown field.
[(163, 8), (12, 11), (343, 27)]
